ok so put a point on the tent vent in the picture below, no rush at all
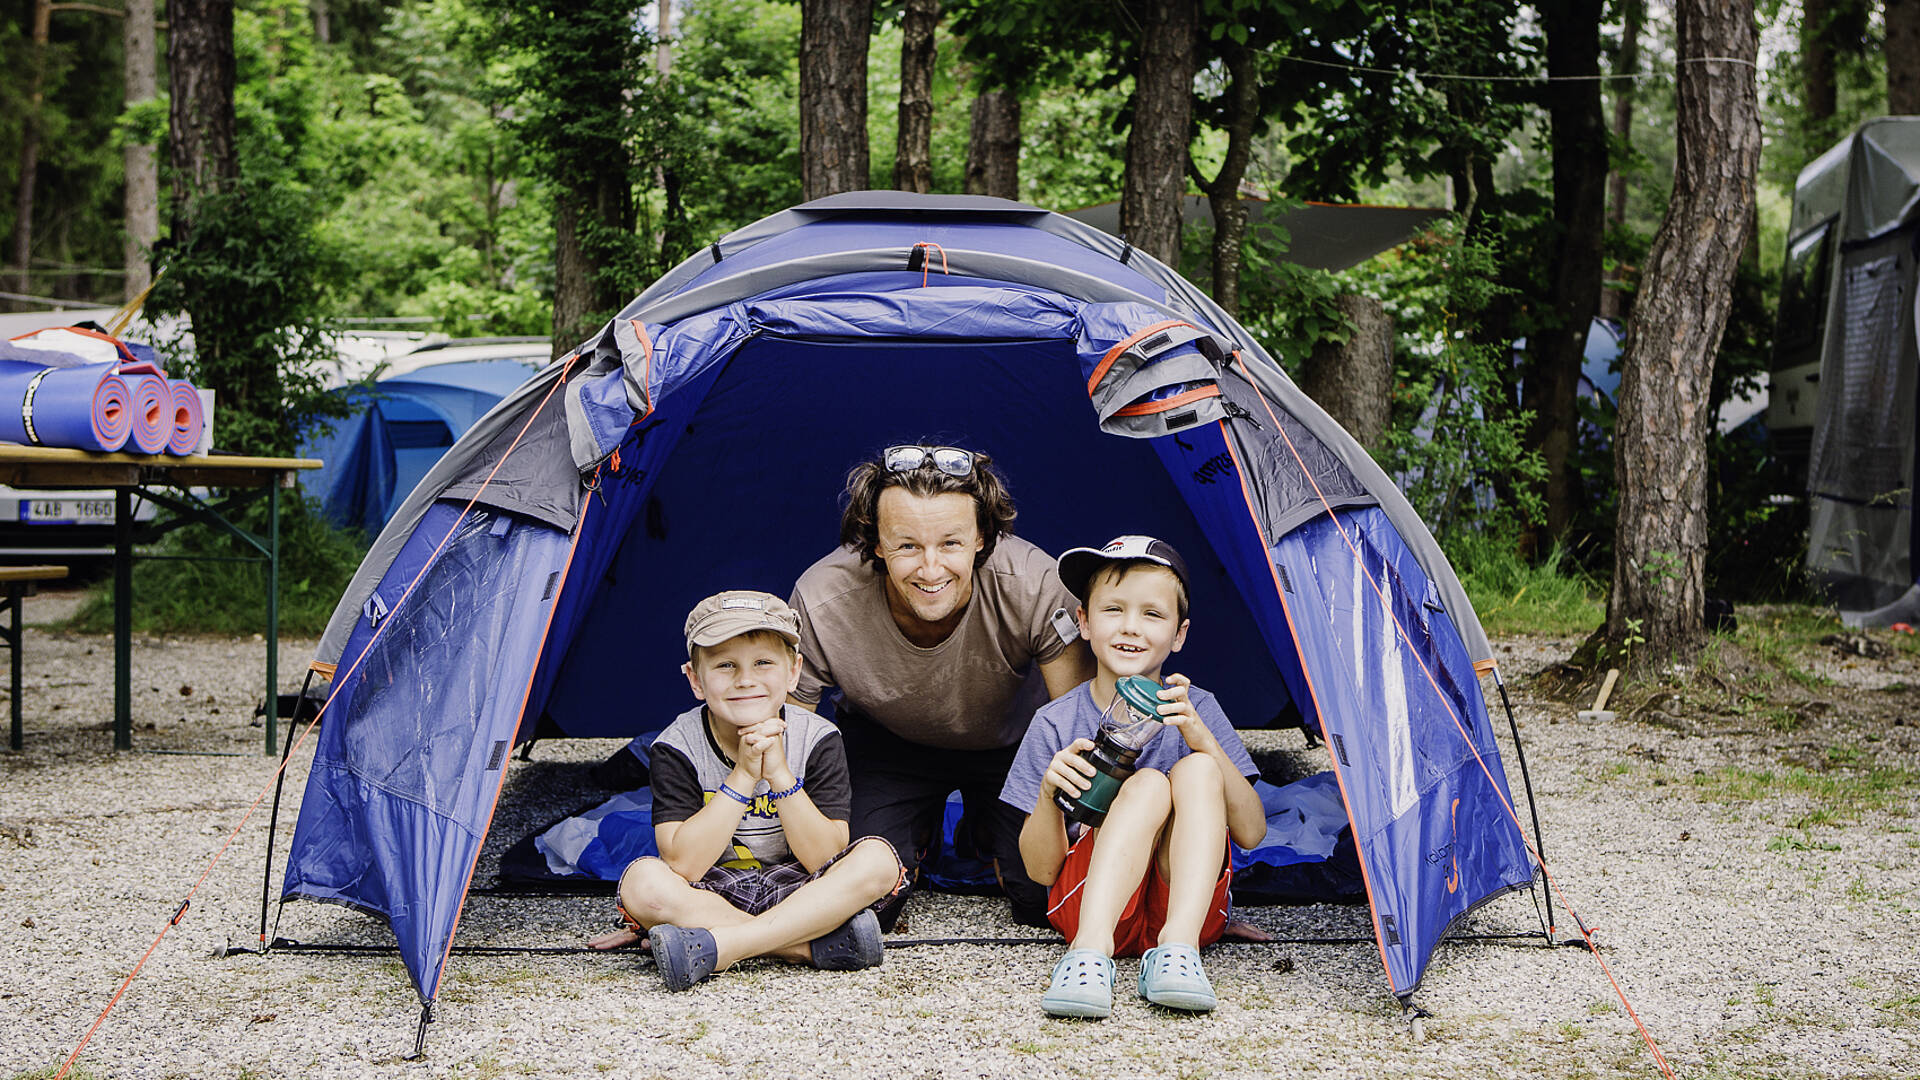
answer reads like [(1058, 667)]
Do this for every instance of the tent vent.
[(499, 754), (1340, 748), (1154, 344), (553, 580), (1126, 251), (1386, 926), (716, 251), (1178, 420), (1286, 581)]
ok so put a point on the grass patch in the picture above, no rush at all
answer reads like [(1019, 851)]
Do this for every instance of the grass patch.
[(1805, 842), (174, 595), (1512, 596), (1839, 794)]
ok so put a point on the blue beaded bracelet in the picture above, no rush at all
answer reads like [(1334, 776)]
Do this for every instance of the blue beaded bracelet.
[(743, 800), (798, 783)]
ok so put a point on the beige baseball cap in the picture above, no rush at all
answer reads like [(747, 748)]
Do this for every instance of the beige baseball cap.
[(739, 611)]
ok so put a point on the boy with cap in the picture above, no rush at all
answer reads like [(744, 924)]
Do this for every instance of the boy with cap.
[(750, 803), (1152, 878)]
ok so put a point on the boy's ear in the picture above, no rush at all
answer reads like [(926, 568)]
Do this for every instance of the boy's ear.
[(1180, 635), (793, 676), (693, 681), (1080, 619)]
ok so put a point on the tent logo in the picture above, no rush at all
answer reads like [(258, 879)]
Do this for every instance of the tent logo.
[(1453, 879), (1217, 466), (374, 609)]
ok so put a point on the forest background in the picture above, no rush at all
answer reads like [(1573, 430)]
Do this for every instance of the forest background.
[(497, 167)]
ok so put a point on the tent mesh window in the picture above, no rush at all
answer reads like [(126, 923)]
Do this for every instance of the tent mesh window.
[(1862, 453)]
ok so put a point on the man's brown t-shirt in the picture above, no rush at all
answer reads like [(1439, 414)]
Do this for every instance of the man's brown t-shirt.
[(974, 691)]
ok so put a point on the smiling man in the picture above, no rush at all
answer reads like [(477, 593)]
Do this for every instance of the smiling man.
[(942, 632)]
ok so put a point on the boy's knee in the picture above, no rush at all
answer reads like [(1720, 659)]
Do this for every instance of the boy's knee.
[(1197, 773), (1147, 789), (874, 864), (644, 887)]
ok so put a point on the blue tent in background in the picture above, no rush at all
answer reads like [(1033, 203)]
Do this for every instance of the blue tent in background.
[(403, 422), (540, 571)]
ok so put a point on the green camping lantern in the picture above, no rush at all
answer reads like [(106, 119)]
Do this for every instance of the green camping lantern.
[(1132, 720)]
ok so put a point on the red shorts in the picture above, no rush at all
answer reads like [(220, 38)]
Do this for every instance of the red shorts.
[(1146, 912)]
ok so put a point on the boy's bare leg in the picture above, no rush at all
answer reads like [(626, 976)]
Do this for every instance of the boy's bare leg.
[(863, 875), (1126, 841), (653, 893), (1196, 844)]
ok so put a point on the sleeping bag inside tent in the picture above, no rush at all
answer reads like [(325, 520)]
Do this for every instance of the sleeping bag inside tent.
[(537, 578)]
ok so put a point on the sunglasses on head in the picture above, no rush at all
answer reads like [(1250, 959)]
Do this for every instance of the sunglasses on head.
[(948, 459)]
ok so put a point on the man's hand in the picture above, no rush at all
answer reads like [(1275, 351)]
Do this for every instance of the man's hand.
[(1069, 771)]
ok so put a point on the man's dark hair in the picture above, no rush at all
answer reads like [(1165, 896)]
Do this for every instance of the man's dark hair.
[(860, 520)]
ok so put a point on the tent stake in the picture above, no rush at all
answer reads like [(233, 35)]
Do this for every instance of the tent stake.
[(420, 1036), (1416, 1018), (273, 821)]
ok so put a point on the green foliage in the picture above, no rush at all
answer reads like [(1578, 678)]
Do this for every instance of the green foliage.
[(1455, 442), (76, 210), (1514, 596), (176, 595), (247, 270)]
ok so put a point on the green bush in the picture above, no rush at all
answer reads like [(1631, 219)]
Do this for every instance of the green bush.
[(1513, 596), (173, 595)]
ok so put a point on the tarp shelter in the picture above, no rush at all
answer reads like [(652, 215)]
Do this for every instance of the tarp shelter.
[(538, 576), (1847, 319), (405, 418)]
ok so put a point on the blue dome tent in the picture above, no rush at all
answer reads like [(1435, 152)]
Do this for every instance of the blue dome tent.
[(541, 569), (405, 419)]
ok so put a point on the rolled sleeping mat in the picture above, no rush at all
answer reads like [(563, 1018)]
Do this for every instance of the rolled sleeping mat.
[(188, 423), (83, 408), (152, 411)]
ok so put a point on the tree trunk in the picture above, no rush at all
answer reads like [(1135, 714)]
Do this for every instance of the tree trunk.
[(1633, 12), (1354, 381), (1223, 191), (1654, 611), (663, 38), (1818, 92), (1903, 57), (30, 148), (1155, 181), (993, 145), (142, 200), (1574, 255), (322, 23), (833, 96), (200, 113), (583, 294), (913, 151)]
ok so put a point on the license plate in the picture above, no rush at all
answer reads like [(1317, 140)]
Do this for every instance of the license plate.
[(67, 511)]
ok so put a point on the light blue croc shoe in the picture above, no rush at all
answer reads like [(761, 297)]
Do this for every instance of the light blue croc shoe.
[(1082, 986), (1171, 975)]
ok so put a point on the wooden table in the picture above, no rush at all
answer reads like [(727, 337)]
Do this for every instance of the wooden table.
[(242, 479)]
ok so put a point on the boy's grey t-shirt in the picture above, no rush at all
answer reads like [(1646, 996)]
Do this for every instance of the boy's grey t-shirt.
[(688, 768), (1073, 715), (973, 691)]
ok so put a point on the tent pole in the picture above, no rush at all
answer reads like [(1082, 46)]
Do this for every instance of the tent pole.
[(420, 1036), (279, 782), (1533, 809)]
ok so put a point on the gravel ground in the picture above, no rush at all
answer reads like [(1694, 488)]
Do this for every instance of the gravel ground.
[(1757, 926)]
